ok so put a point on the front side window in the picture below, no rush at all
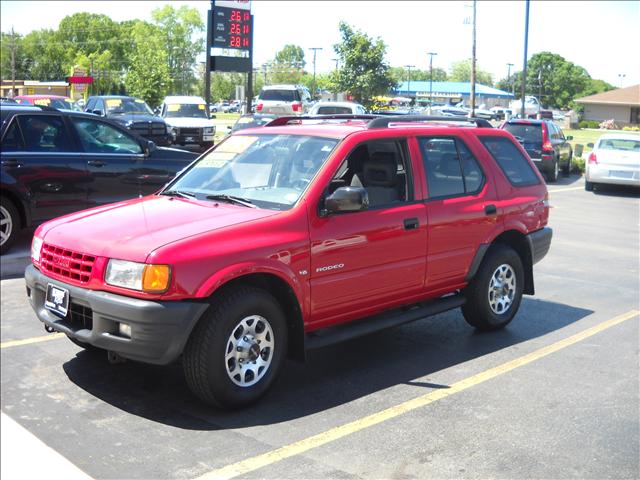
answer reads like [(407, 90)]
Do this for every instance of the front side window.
[(267, 171), (100, 137), (190, 110), (511, 161), (12, 140), (44, 133), (450, 167)]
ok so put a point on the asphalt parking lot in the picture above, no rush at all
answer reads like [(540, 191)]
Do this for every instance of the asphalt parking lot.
[(554, 395)]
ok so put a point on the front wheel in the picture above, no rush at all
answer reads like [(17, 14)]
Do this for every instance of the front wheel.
[(234, 353), (494, 294), (9, 224)]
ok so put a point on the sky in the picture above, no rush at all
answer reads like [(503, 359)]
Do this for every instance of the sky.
[(601, 36)]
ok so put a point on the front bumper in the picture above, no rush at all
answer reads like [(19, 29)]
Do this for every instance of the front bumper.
[(159, 330), (188, 136)]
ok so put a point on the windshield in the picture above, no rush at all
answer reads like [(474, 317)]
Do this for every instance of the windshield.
[(191, 110), (117, 106), (529, 133), (269, 171)]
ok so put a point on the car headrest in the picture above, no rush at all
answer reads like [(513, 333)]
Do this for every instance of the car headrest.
[(381, 170)]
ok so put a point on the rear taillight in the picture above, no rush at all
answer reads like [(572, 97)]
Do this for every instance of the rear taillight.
[(593, 158), (547, 146), (297, 107), (259, 107)]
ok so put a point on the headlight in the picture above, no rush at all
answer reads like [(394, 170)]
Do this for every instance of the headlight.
[(138, 276), (209, 130), (36, 247)]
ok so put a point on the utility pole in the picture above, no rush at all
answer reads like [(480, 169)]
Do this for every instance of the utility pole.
[(621, 77), (315, 51), (473, 64), (337, 60), (431, 55), (409, 67), (524, 65), (13, 47), (513, 84)]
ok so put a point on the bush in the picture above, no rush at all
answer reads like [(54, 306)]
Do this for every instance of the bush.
[(631, 128), (588, 124), (577, 165), (608, 125)]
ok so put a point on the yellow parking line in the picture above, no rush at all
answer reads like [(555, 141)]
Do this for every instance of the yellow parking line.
[(565, 189), (28, 341), (333, 434)]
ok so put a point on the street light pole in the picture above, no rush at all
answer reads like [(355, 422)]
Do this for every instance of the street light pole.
[(431, 55), (524, 66), (513, 84), (621, 77), (315, 50), (409, 67)]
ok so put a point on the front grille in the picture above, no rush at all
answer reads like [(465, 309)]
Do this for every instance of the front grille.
[(66, 263), (146, 128), (80, 317), (190, 131)]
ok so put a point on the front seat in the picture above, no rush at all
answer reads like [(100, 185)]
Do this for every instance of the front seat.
[(379, 177)]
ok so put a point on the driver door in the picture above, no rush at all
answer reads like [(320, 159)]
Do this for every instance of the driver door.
[(116, 163)]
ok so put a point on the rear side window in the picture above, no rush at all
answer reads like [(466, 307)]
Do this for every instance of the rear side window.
[(525, 132), (450, 167), (44, 133), (512, 162), (12, 140), (280, 95)]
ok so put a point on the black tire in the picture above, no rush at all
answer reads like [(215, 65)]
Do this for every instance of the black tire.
[(566, 170), (478, 311), (552, 173), (205, 369), (588, 186), (9, 224)]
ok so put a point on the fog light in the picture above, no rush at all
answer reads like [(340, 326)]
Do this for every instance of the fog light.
[(124, 330)]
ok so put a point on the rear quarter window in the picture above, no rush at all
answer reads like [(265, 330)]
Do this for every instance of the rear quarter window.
[(511, 161)]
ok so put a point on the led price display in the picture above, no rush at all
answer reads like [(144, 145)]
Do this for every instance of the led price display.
[(231, 28)]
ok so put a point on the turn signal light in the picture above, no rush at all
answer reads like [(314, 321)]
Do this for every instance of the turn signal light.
[(155, 278)]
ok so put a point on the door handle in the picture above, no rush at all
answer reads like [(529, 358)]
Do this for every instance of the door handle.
[(96, 163), (11, 163), (411, 223), (490, 209)]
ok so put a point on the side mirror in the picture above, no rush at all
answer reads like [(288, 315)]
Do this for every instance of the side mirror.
[(569, 137), (149, 146), (347, 199), (590, 145)]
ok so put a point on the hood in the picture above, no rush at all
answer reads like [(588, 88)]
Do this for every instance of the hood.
[(131, 230), (134, 117), (189, 122)]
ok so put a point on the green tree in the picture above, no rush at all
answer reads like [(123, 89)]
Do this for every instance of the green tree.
[(288, 65), (44, 56), (148, 76), (179, 27), (364, 73), (554, 79), (9, 41), (223, 85), (461, 72)]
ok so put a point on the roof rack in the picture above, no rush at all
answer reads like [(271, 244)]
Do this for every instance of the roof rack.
[(280, 121), (383, 122)]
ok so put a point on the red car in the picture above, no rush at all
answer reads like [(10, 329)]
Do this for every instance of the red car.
[(289, 237), (53, 101)]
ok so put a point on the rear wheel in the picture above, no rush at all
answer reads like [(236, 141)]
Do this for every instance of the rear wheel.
[(588, 186), (494, 294), (9, 224), (235, 351), (553, 172)]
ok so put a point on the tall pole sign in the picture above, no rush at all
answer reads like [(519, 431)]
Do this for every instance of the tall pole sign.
[(230, 40)]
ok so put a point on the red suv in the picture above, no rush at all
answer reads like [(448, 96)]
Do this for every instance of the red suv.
[(295, 235)]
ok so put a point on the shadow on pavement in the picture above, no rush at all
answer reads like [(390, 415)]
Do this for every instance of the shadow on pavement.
[(332, 376), (617, 191)]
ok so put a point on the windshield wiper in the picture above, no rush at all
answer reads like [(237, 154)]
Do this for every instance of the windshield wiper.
[(232, 199), (178, 193)]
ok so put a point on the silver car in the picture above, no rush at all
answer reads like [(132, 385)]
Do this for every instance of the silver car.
[(615, 159), (284, 100)]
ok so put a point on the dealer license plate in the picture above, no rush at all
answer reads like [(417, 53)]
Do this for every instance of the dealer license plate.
[(620, 174), (57, 300)]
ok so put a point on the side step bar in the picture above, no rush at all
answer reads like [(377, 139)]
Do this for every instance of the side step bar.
[(393, 318)]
